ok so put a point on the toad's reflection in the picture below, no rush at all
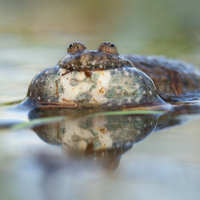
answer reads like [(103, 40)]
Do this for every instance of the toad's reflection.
[(100, 138)]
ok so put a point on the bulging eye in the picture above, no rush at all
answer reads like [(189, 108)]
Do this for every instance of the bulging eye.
[(108, 47), (76, 47), (71, 45)]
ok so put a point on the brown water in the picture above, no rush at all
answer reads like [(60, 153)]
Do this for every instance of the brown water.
[(35, 35)]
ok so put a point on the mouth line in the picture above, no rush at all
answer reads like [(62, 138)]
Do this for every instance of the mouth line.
[(90, 66)]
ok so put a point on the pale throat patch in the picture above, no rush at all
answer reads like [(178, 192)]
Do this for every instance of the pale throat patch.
[(84, 85)]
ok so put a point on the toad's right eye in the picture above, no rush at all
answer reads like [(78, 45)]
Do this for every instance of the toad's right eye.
[(71, 45), (76, 47)]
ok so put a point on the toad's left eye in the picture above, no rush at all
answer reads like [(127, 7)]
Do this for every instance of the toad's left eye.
[(112, 45), (108, 47)]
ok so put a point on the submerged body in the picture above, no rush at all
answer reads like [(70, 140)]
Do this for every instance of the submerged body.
[(102, 78)]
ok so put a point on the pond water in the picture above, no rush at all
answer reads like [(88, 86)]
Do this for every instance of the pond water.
[(141, 156), (144, 156)]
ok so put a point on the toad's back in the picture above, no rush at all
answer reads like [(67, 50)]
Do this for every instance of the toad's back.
[(174, 79)]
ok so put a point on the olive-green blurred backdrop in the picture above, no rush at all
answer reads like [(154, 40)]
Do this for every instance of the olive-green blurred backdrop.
[(165, 27)]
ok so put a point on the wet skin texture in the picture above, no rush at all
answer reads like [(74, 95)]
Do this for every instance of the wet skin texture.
[(105, 57), (103, 77)]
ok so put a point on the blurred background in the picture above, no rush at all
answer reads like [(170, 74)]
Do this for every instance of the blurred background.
[(35, 35), (167, 27)]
